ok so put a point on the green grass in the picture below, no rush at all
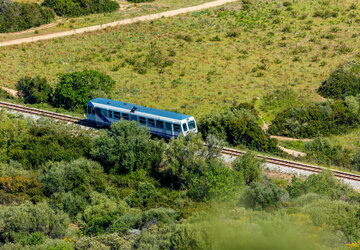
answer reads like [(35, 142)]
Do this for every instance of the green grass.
[(294, 145), (127, 10), (220, 56)]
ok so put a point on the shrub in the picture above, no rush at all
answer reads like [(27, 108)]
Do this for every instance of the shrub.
[(73, 8), (214, 181), (261, 195), (101, 213), (321, 151), (34, 90), (339, 215), (315, 119), (144, 196), (16, 16), (249, 167), (355, 162), (28, 218), (132, 220), (106, 241), (74, 90), (159, 216), (342, 82), (79, 176), (324, 184), (46, 141), (126, 147), (239, 126)]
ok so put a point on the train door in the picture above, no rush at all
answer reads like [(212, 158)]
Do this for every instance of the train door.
[(168, 130), (98, 115), (133, 118)]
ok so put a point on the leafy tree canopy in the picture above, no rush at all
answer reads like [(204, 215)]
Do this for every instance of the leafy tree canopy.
[(75, 89)]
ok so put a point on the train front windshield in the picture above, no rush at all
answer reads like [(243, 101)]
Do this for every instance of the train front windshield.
[(191, 125)]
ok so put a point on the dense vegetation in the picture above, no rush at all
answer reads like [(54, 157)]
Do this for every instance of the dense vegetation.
[(15, 16), (75, 89), (72, 91), (238, 125), (317, 119), (34, 90), (110, 195), (73, 8), (344, 81)]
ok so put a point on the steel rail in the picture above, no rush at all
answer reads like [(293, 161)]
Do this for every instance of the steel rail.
[(295, 165)]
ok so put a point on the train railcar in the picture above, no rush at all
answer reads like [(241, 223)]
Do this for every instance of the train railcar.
[(159, 122)]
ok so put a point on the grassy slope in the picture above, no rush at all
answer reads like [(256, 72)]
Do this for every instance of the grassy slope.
[(276, 45), (127, 10)]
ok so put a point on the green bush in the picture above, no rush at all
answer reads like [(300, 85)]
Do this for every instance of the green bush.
[(214, 181), (249, 167), (28, 218), (101, 213), (339, 215), (74, 8), (34, 90), (145, 196), (322, 152), (238, 126), (106, 241), (45, 141), (324, 184), (261, 195), (74, 90), (344, 81), (126, 147), (79, 176), (355, 162), (315, 119), (16, 16)]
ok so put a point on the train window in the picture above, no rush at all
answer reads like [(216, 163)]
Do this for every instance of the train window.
[(159, 124), (93, 111), (125, 116), (168, 126), (176, 127), (104, 112), (110, 114), (89, 109), (151, 122), (191, 124), (184, 127), (116, 115), (142, 120)]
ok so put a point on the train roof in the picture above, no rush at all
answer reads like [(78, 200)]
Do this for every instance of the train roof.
[(129, 106)]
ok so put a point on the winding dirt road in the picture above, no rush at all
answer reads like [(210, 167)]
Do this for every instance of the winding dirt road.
[(117, 23)]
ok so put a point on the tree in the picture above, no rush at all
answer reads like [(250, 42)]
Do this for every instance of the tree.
[(34, 90), (126, 147), (249, 167), (183, 157), (75, 89)]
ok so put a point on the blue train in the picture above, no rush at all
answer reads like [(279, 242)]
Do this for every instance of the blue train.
[(162, 123)]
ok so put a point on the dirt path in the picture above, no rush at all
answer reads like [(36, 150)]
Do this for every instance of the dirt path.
[(283, 138), (117, 23), (10, 91), (292, 152)]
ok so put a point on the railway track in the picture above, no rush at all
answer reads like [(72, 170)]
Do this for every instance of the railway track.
[(44, 113), (295, 165), (226, 151)]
